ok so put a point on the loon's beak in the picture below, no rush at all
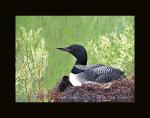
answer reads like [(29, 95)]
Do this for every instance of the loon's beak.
[(63, 49)]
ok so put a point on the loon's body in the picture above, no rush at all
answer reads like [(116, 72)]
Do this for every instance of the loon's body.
[(82, 73)]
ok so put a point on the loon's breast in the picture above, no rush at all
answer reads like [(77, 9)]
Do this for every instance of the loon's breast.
[(75, 80), (81, 78)]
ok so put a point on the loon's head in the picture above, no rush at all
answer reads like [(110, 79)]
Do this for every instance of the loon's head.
[(78, 51)]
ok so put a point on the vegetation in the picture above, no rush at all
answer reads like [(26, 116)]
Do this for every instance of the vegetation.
[(108, 40), (31, 63)]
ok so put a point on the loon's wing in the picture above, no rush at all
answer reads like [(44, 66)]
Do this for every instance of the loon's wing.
[(87, 67), (104, 78), (81, 68), (90, 66), (103, 74)]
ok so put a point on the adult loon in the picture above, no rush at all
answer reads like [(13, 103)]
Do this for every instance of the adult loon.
[(82, 73)]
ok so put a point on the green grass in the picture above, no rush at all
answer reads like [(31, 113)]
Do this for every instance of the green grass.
[(89, 31)]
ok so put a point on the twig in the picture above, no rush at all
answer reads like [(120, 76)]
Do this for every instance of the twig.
[(27, 94), (28, 63)]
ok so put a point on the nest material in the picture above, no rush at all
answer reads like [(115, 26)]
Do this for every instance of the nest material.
[(114, 91)]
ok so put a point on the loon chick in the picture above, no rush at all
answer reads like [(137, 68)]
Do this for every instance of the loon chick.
[(82, 73)]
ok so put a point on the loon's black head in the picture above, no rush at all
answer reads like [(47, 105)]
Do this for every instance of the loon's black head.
[(78, 51)]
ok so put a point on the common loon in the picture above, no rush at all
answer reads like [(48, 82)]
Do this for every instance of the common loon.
[(82, 73)]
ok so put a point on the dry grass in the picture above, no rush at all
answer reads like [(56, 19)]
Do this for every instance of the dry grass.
[(114, 91)]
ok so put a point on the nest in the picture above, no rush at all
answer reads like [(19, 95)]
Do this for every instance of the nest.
[(114, 91)]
